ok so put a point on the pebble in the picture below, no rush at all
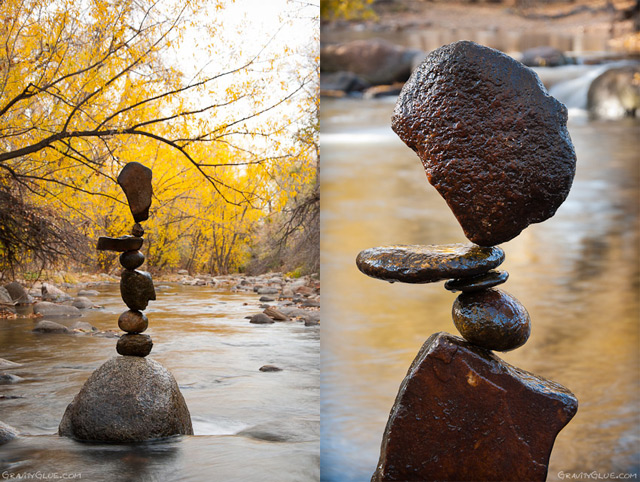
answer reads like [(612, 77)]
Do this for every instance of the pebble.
[(270, 368), (131, 259), (136, 289), (135, 180), (426, 264), (134, 345), (123, 243), (137, 230), (133, 321), (492, 319), (493, 142), (476, 283)]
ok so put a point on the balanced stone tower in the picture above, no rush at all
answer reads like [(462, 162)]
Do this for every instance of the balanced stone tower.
[(129, 398), (496, 147)]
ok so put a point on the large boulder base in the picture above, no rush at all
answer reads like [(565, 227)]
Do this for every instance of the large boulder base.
[(128, 399), (493, 142), (464, 414)]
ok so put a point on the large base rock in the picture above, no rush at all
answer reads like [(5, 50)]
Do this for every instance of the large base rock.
[(463, 414), (128, 399)]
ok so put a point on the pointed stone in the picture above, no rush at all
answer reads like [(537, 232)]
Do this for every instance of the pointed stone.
[(464, 414), (135, 180)]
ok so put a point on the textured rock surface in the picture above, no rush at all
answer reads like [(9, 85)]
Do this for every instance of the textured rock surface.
[(463, 414), (134, 345), (53, 293), (492, 141), (46, 326), (128, 399), (426, 264), (261, 319), (18, 293), (476, 283), (52, 310), (136, 289), (133, 322), (492, 319), (82, 303), (123, 243), (7, 433), (131, 259), (135, 180)]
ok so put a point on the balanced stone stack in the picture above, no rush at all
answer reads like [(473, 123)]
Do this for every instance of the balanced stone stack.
[(495, 146), (130, 398)]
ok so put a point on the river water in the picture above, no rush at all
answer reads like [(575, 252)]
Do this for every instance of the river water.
[(248, 425), (577, 274)]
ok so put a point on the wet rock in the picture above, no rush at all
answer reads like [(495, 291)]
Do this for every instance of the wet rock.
[(342, 82), (268, 291), (84, 327), (426, 264), (464, 414), (266, 299), (476, 283), (9, 379), (123, 243), (135, 180), (303, 290), (133, 322), (492, 319), (137, 230), (86, 293), (46, 326), (615, 93), (275, 314), (128, 399), (270, 368), (53, 293), (7, 433), (7, 311), (51, 310), (5, 297), (82, 303), (383, 90), (491, 139), (375, 61), (183, 272), (18, 294), (543, 56), (131, 259), (260, 319), (134, 345), (136, 289), (4, 364), (312, 321)]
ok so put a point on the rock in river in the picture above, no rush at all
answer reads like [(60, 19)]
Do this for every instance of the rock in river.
[(128, 399), (7, 433), (493, 142), (46, 326), (426, 264), (18, 294), (136, 289), (134, 345), (261, 319), (48, 309), (464, 414)]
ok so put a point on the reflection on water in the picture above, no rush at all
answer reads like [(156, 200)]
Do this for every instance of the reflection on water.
[(248, 425), (576, 273)]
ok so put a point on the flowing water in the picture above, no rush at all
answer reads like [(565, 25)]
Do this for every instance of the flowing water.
[(577, 274), (248, 425)]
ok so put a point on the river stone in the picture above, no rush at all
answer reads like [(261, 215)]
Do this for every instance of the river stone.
[(261, 319), (123, 243), (275, 314), (492, 319), (46, 326), (476, 283), (82, 303), (18, 294), (53, 293), (493, 142), (462, 413), (137, 230), (426, 264), (133, 322), (135, 180), (7, 433), (136, 289), (128, 399), (270, 368), (134, 345), (85, 293), (51, 310), (131, 259), (5, 297)]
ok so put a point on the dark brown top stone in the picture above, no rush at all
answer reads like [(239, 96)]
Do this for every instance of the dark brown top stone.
[(426, 264), (464, 414), (493, 142), (121, 244), (135, 180)]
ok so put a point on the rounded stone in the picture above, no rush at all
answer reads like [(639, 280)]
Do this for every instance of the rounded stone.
[(476, 283), (427, 264), (128, 399), (131, 259), (137, 230), (133, 321), (136, 289), (134, 345), (492, 319)]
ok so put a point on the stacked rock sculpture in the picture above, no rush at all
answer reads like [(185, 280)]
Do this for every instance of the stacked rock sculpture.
[(495, 146), (129, 398)]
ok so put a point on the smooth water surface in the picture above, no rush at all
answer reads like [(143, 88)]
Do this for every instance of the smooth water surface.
[(248, 424), (577, 274)]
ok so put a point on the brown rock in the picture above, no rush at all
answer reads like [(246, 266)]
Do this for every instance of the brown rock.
[(135, 180), (134, 345), (136, 289), (133, 322), (131, 259), (261, 319), (476, 283), (123, 243), (426, 264), (277, 315), (137, 230), (464, 414), (493, 142), (492, 319)]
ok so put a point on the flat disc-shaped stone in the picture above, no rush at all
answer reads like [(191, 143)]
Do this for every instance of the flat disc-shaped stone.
[(121, 244), (135, 180), (477, 283), (464, 414), (134, 345), (493, 142), (136, 289), (426, 264)]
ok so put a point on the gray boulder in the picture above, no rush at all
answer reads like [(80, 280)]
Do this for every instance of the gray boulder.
[(268, 291), (88, 293), (261, 319), (46, 326), (18, 294), (615, 93), (9, 379), (543, 57), (342, 82), (82, 303), (48, 309), (128, 399), (53, 293), (5, 297), (83, 326), (7, 433)]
